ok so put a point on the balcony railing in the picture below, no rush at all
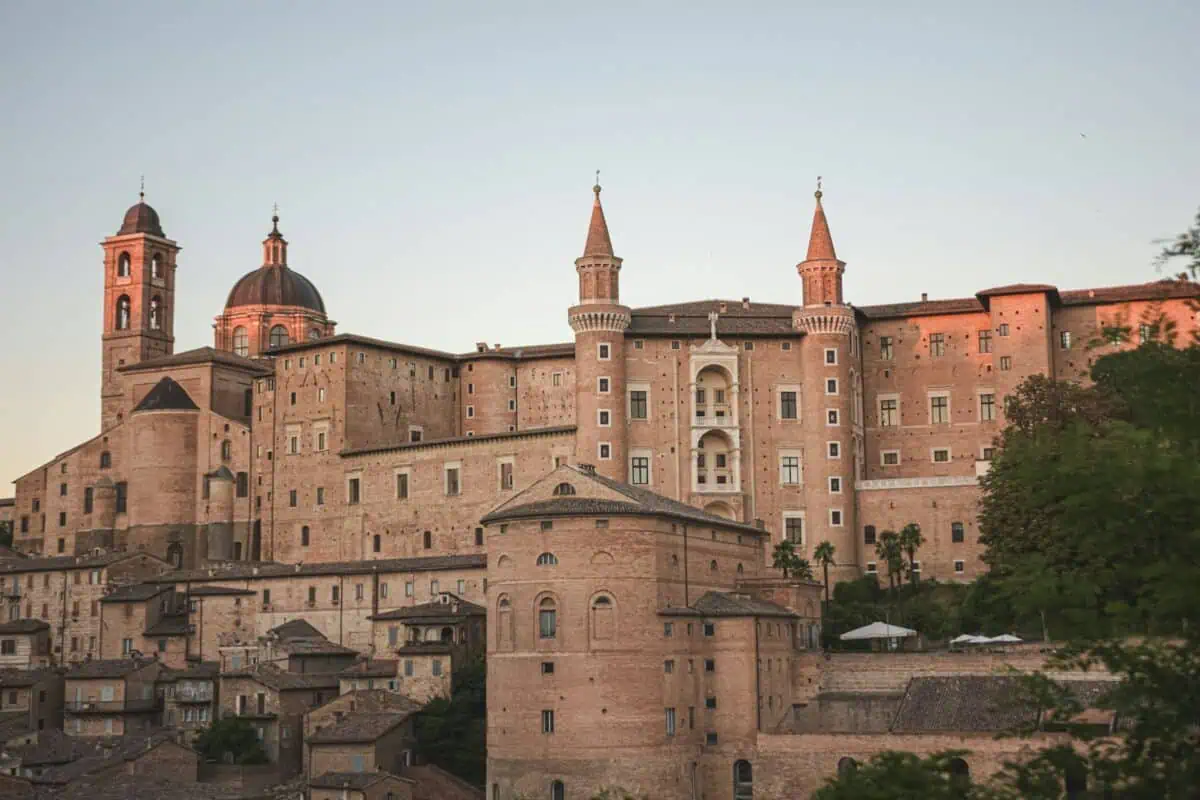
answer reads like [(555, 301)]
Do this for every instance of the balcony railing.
[(129, 705), (193, 696)]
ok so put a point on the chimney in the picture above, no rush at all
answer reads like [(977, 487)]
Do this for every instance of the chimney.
[(587, 469), (496, 346), (481, 347), (745, 303), (924, 297)]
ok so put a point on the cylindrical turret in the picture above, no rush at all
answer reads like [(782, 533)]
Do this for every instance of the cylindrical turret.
[(162, 482), (220, 514)]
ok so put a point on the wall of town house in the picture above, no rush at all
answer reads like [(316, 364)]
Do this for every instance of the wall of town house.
[(489, 403), (425, 394)]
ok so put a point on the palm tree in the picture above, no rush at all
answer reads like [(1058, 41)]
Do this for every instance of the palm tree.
[(787, 559), (888, 549), (824, 556), (911, 541)]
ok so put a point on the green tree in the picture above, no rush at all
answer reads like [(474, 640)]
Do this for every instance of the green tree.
[(824, 555), (889, 551), (787, 560), (452, 732), (892, 775), (910, 542), (6, 532), (231, 738)]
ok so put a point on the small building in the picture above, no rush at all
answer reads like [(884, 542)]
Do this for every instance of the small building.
[(299, 647), (349, 704), (431, 640), (30, 701), (112, 697), (362, 741), (155, 755), (144, 618), (360, 786), (24, 644), (369, 673), (190, 698), (274, 702)]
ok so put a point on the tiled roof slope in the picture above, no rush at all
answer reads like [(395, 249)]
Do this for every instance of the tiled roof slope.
[(246, 569), (167, 395), (358, 727), (975, 703), (200, 355), (728, 604)]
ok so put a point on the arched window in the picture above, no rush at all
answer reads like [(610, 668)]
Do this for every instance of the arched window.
[(428, 540), (547, 619), (712, 566), (504, 632), (226, 450), (175, 555), (603, 622), (105, 460), (155, 266), (740, 570), (279, 336), (123, 313), (313, 333), (960, 773), (241, 342), (447, 635), (155, 313), (304, 533), (846, 766), (547, 560), (558, 791), (123, 265), (743, 780), (563, 489)]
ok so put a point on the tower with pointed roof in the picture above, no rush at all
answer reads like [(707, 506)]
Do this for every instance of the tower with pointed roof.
[(599, 322), (831, 409), (139, 301)]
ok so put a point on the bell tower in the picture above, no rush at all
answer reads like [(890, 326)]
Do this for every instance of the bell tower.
[(599, 322), (139, 302)]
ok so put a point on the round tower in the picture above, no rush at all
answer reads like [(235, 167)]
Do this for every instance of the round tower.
[(220, 514), (830, 411), (599, 322)]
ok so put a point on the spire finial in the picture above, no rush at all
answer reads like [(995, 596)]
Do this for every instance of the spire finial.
[(596, 186), (818, 192), (142, 190), (275, 218)]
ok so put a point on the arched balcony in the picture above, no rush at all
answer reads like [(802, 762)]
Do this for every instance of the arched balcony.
[(716, 462)]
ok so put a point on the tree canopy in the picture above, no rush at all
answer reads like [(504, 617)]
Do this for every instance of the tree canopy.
[(452, 733)]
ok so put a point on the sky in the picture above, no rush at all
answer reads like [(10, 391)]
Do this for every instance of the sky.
[(433, 162)]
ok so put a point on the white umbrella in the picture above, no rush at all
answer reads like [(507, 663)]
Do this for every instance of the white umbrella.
[(965, 638), (1007, 638), (877, 630)]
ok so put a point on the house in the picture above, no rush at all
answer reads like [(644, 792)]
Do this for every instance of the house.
[(190, 699), (304, 649), (360, 786), (362, 741), (431, 639), (30, 701), (154, 755), (144, 618), (369, 673), (24, 644), (274, 702), (350, 704), (112, 697)]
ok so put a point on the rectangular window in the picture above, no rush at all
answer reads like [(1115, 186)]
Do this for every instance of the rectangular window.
[(835, 517), (710, 629), (437, 667), (787, 405), (547, 623), (987, 407), (1005, 363), (415, 433), (941, 455), (985, 341), (832, 418), (1064, 340), (88, 499), (556, 379), (605, 451), (831, 386), (668, 629), (793, 529), (831, 355), (871, 568), (988, 453), (700, 397), (789, 470), (710, 703), (1145, 333), (889, 412), (243, 484), (670, 722), (602, 385), (506, 476), (939, 410), (353, 493), (604, 418), (293, 499), (452, 483), (547, 667), (1003, 329), (547, 721), (834, 450), (956, 532), (410, 588), (320, 495), (293, 445), (321, 441), (960, 567), (669, 667), (885, 348), (62, 519), (835, 485), (937, 345), (604, 351), (470, 412), (868, 534), (478, 537), (637, 404), (639, 471)]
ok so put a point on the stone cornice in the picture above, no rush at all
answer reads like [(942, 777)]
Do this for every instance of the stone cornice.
[(838, 320), (614, 319), (917, 483)]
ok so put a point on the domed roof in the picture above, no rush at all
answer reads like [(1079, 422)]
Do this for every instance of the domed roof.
[(275, 285), (141, 218)]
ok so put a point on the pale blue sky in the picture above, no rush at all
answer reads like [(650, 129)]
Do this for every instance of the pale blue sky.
[(433, 161)]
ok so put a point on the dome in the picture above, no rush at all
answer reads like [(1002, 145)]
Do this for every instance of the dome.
[(275, 285), (141, 218)]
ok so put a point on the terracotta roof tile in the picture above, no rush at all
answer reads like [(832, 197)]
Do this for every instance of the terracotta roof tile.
[(200, 355), (167, 395), (728, 604), (599, 243), (358, 727), (243, 569), (820, 242)]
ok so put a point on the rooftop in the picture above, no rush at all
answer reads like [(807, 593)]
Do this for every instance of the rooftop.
[(370, 668), (486, 437), (107, 668), (358, 727), (352, 780), (281, 681), (270, 569), (728, 604), (452, 608), (55, 563), (24, 626), (167, 395), (135, 593), (200, 355)]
